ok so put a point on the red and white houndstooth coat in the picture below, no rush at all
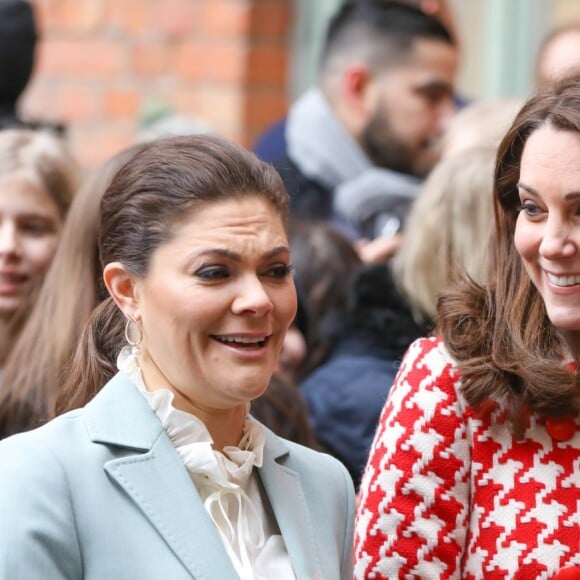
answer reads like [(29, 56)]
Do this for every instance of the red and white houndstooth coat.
[(449, 495)]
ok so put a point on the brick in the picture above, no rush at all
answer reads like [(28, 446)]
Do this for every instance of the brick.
[(216, 61), (151, 59), (272, 19), (219, 107), (176, 18), (69, 16), (75, 103), (263, 108), (39, 101), (267, 65), (94, 145), (226, 17), (46, 13), (121, 103), (131, 17), (81, 58), (81, 16)]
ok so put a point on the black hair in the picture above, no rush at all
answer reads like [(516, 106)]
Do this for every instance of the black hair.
[(381, 30), (17, 49)]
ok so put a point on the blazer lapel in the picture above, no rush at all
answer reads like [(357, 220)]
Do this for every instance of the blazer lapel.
[(155, 479), (288, 502)]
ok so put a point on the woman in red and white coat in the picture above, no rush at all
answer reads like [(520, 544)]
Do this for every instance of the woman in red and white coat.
[(475, 467)]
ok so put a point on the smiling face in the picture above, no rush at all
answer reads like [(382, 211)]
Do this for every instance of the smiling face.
[(410, 107), (547, 233), (215, 305), (30, 225)]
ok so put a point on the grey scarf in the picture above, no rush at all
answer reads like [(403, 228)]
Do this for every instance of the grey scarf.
[(373, 200)]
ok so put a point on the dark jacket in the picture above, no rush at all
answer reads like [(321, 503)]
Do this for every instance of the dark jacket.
[(309, 199), (345, 397), (346, 393)]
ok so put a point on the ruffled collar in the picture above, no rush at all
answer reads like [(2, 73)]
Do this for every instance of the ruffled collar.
[(223, 479), (191, 438)]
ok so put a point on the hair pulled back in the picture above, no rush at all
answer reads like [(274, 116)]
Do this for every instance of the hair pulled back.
[(149, 195)]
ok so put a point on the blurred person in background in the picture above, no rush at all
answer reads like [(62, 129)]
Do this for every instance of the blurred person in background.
[(448, 226), (271, 144), (71, 289), (449, 223), (18, 43), (295, 349), (346, 392), (38, 179), (324, 260), (559, 54), (360, 143), (392, 303), (479, 124)]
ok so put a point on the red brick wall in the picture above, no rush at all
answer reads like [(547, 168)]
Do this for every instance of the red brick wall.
[(224, 62)]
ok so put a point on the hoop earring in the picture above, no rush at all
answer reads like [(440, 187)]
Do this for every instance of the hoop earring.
[(133, 341)]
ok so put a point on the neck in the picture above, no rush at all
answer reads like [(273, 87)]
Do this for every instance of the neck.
[(225, 425)]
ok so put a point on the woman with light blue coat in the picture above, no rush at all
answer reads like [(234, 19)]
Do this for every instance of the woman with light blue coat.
[(157, 470)]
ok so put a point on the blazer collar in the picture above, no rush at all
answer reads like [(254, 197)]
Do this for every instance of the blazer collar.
[(120, 415), (288, 502), (155, 479)]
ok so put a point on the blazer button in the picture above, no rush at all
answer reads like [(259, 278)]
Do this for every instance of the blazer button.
[(568, 573)]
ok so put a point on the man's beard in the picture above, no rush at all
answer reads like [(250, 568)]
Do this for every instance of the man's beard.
[(386, 150)]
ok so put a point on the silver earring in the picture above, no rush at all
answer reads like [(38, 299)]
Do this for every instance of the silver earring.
[(132, 329)]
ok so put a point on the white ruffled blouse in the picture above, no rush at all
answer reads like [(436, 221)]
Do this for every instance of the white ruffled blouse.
[(226, 482)]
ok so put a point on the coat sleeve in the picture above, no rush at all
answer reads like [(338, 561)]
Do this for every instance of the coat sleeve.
[(414, 497), (37, 530)]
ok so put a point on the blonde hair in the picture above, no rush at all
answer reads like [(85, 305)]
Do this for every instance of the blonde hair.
[(447, 229), (44, 157), (482, 123)]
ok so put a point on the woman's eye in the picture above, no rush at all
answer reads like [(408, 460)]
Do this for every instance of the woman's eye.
[(530, 209), (280, 271), (212, 273), (37, 228)]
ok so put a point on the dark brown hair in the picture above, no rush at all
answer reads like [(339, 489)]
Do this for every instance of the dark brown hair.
[(149, 195), (506, 347), (324, 260)]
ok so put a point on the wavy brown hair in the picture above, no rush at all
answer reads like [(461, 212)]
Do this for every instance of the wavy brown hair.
[(149, 195), (499, 333)]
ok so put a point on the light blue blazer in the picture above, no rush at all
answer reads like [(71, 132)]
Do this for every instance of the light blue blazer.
[(100, 493)]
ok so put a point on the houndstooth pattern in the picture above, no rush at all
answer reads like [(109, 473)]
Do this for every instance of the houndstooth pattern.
[(446, 494)]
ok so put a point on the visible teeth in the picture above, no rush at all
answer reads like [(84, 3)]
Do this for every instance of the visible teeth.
[(241, 340), (564, 280)]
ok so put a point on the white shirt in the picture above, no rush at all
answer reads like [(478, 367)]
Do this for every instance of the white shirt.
[(226, 481)]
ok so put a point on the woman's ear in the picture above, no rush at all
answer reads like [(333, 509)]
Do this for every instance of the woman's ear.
[(121, 286)]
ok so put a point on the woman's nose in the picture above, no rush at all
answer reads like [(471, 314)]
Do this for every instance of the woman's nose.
[(252, 297), (557, 241), (9, 239)]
